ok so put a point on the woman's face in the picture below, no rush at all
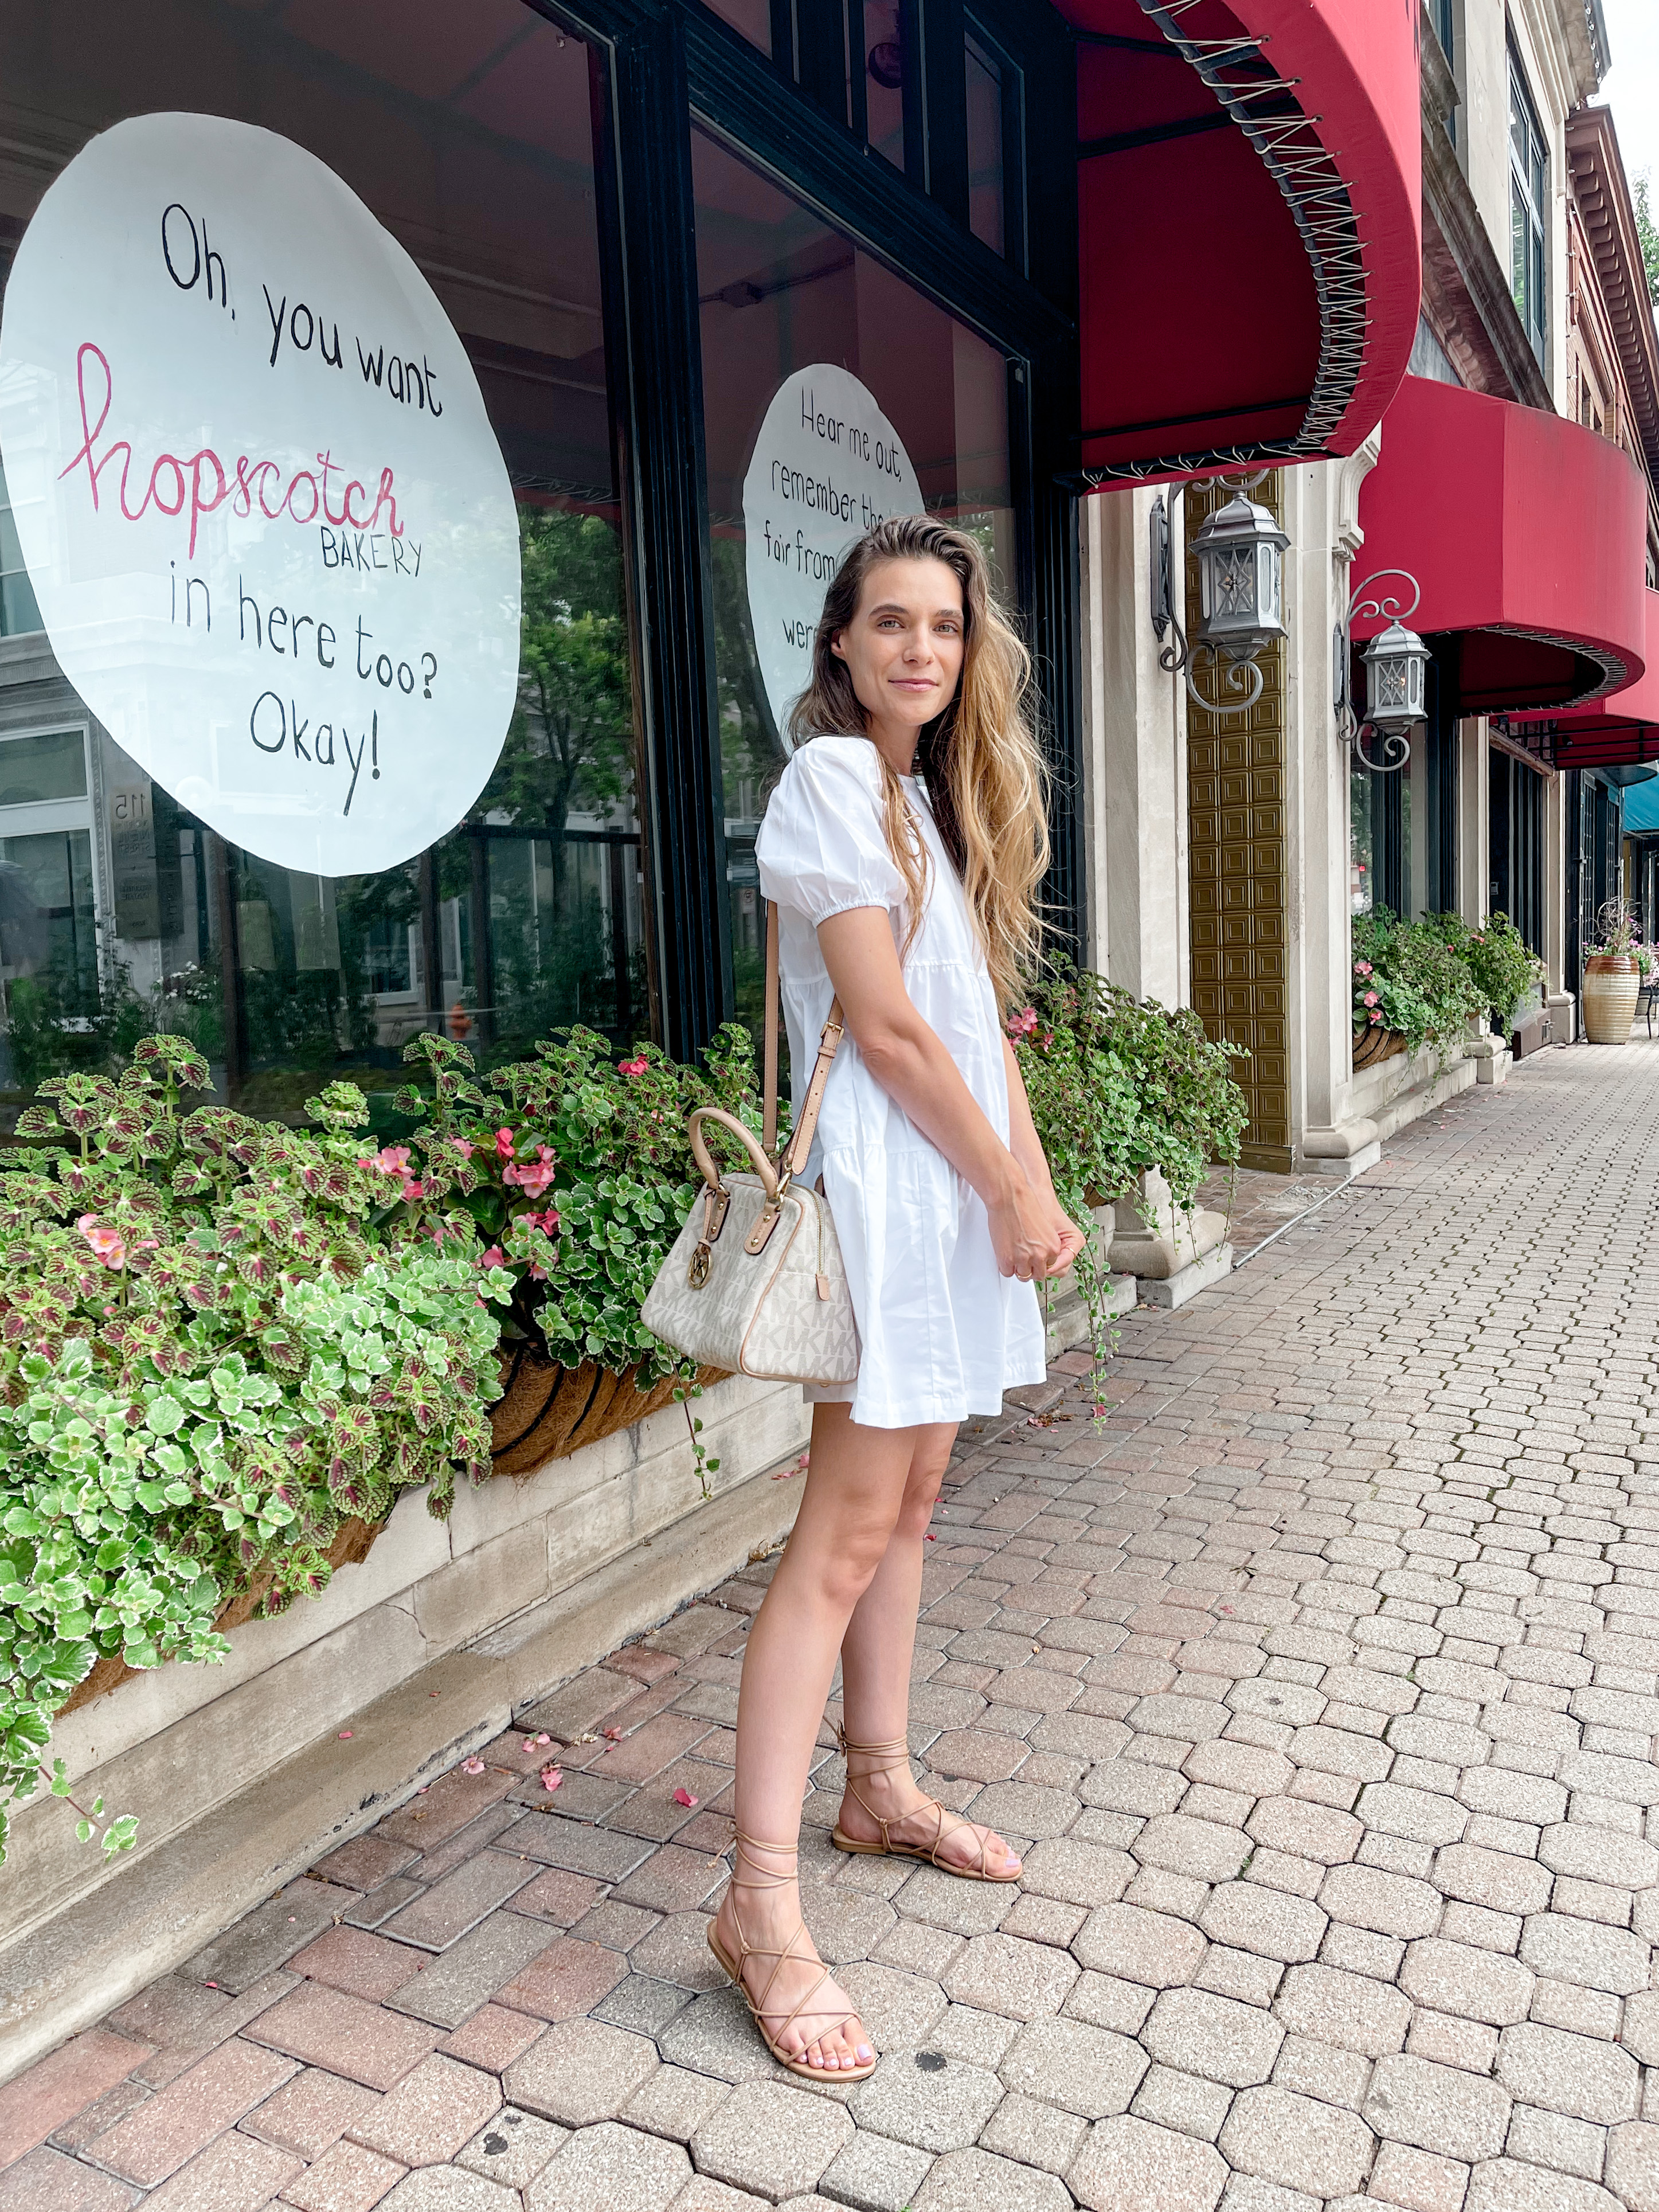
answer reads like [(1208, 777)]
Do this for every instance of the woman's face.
[(904, 645)]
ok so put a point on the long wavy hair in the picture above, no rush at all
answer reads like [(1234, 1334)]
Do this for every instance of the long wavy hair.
[(986, 780)]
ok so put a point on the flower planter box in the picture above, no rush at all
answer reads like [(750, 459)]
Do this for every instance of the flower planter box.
[(1372, 1045), (546, 1412), (352, 1540)]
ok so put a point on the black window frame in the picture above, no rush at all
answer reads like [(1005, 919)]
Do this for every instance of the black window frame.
[(667, 65), (1516, 837), (1441, 777)]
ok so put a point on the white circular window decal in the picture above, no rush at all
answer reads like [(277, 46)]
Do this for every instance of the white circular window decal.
[(827, 466), (265, 517)]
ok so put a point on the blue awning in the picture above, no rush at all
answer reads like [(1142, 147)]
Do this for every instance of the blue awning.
[(1642, 807)]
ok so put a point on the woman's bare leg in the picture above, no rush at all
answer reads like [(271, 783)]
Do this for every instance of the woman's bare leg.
[(876, 1655), (855, 1484)]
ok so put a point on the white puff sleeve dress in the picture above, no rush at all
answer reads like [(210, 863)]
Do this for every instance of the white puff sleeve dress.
[(942, 1332)]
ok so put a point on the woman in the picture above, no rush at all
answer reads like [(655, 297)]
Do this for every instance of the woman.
[(911, 897)]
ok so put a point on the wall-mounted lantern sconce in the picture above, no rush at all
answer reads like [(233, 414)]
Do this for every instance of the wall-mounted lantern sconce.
[(1396, 675), (1240, 551)]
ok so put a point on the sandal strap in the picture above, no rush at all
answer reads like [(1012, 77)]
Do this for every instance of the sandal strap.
[(771, 1879), (889, 1757)]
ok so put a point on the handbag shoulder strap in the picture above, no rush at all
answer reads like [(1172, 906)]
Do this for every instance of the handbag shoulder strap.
[(793, 1158)]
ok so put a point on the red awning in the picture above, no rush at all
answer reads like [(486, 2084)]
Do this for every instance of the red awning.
[(1249, 184), (1527, 536), (1616, 732)]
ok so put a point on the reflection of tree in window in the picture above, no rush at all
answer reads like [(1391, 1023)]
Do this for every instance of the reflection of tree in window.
[(570, 749), (571, 740)]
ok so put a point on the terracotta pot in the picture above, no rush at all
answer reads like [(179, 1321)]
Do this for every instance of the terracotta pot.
[(1372, 1045), (1612, 981), (352, 1540), (546, 1412)]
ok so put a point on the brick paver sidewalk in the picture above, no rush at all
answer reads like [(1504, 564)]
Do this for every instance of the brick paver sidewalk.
[(1317, 1683)]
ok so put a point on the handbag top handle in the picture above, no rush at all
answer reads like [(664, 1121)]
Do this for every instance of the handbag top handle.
[(793, 1157)]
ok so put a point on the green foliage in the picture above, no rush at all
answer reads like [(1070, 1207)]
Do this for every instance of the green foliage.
[(578, 1174), (1117, 1086), (1407, 977), (1648, 233), (218, 1338), (1501, 965)]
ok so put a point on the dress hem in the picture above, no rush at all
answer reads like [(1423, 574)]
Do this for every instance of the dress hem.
[(936, 1410)]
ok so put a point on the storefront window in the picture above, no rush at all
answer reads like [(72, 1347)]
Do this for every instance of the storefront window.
[(1380, 841), (469, 132), (1361, 859), (782, 293)]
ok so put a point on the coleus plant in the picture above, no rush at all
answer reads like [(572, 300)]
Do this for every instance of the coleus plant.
[(577, 1172), (218, 1338)]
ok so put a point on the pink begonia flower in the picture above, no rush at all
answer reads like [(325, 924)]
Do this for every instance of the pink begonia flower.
[(494, 1257), (415, 1189), (685, 1797), (533, 1176), (473, 1765), (504, 1143), (633, 1066), (551, 1778), (1362, 967), (1371, 998), (1376, 1017), (391, 1159), (547, 1222), (1021, 1026), (466, 1147), (109, 1245)]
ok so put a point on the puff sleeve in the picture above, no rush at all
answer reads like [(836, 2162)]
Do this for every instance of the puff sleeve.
[(822, 849)]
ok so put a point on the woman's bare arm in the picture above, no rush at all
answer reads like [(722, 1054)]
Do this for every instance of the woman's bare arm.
[(1032, 1236)]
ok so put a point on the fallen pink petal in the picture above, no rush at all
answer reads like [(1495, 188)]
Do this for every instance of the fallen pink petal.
[(346, 1734), (473, 1765), (551, 1778), (685, 1797)]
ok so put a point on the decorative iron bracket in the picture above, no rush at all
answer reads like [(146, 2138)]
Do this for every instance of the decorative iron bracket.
[(1395, 749), (1175, 656)]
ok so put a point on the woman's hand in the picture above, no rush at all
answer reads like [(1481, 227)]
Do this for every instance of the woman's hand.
[(1033, 1239)]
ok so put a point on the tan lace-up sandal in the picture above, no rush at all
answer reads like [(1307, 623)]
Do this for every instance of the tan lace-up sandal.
[(805, 2010), (889, 1757)]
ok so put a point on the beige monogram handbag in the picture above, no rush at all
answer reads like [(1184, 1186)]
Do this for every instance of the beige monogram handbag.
[(755, 1283)]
